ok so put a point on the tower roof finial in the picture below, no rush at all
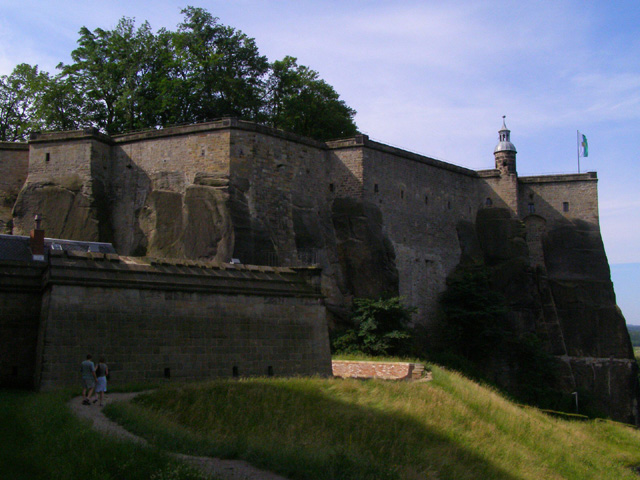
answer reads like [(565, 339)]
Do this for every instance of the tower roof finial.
[(504, 140)]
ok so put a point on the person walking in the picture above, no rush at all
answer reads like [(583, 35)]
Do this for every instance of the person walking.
[(88, 371), (102, 370)]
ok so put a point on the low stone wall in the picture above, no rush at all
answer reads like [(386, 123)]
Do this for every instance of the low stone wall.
[(381, 370), (157, 320)]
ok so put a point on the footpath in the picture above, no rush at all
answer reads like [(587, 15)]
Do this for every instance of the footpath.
[(215, 468)]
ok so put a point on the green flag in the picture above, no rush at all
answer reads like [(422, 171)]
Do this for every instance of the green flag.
[(585, 146)]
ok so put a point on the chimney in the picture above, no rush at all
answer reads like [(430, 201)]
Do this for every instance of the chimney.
[(36, 240)]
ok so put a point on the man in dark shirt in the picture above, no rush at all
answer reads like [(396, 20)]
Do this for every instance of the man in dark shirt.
[(88, 370)]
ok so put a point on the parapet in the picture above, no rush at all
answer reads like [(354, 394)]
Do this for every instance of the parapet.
[(19, 146), (111, 270), (90, 133), (569, 177)]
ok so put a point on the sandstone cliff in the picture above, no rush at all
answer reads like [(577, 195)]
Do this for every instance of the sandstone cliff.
[(568, 303)]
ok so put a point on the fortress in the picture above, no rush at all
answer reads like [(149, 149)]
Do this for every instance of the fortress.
[(375, 218)]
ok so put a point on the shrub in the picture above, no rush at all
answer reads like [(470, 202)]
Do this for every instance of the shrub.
[(378, 327)]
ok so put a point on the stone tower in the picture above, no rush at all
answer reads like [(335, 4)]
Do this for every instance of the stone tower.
[(505, 152)]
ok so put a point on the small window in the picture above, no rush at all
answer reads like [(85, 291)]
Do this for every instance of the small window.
[(331, 187), (375, 188), (532, 208), (426, 199), (449, 205), (47, 157), (488, 202), (565, 206), (167, 372), (401, 193)]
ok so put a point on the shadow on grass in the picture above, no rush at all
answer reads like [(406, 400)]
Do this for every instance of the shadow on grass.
[(40, 439), (302, 431)]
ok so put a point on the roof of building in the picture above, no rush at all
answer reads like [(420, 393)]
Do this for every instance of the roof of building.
[(504, 144), (16, 247)]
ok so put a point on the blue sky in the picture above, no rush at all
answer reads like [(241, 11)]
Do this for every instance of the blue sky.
[(435, 78)]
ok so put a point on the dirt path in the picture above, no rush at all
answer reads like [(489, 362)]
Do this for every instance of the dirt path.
[(213, 467)]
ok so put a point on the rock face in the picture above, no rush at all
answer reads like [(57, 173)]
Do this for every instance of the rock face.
[(71, 213), (599, 353), (568, 303), (365, 254)]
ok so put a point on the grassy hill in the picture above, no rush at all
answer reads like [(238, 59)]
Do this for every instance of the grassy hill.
[(634, 334), (313, 428)]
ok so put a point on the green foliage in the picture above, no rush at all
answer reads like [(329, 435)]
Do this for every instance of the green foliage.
[(130, 78), (479, 338), (21, 100), (634, 334), (300, 102), (380, 327), (475, 314)]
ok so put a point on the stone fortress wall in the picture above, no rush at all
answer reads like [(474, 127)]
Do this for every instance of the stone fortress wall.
[(375, 218), (14, 166), (234, 189), (157, 320)]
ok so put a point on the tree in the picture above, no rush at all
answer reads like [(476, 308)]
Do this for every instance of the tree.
[(220, 68), (380, 327), (20, 97), (129, 78), (113, 67), (300, 102), (475, 314), (62, 105)]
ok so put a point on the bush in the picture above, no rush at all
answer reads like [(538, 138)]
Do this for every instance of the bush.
[(378, 327)]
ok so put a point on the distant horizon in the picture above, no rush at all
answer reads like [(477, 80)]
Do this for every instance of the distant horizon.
[(626, 278)]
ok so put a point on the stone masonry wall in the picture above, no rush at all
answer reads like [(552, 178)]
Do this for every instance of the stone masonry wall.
[(20, 300), (149, 335), (421, 200), (547, 195), (166, 162), (273, 198), (499, 191), (14, 167), (347, 167), (175, 320), (56, 157), (274, 182), (381, 370)]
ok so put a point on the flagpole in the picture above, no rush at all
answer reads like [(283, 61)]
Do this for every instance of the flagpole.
[(578, 148)]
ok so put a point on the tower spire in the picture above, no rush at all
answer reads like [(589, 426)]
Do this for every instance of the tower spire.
[(505, 151)]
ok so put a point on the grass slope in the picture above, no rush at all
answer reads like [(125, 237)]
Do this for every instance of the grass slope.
[(312, 428), (41, 439)]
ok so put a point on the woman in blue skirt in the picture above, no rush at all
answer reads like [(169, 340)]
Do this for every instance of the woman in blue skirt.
[(102, 370)]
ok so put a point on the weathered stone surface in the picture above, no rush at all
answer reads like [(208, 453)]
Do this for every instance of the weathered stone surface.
[(568, 303), (171, 320), (66, 209), (208, 231), (366, 255)]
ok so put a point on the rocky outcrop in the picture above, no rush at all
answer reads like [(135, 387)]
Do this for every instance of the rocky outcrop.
[(194, 225), (568, 303), (70, 211), (598, 349), (366, 255)]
